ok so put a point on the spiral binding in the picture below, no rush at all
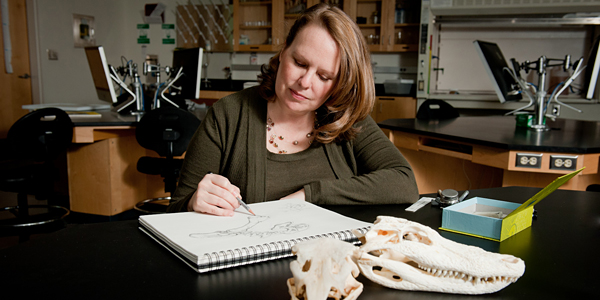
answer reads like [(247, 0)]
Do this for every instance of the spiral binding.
[(267, 251)]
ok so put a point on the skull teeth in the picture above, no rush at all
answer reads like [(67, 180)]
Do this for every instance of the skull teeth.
[(467, 277)]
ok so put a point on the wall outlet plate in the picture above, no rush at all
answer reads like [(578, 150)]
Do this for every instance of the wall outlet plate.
[(529, 160), (52, 55), (563, 162)]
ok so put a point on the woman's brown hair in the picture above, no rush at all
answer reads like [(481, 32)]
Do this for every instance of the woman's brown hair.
[(353, 94)]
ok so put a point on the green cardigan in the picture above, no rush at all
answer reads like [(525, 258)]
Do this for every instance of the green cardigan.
[(231, 141)]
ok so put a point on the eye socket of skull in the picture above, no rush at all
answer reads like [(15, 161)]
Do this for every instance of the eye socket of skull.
[(306, 266), (414, 236)]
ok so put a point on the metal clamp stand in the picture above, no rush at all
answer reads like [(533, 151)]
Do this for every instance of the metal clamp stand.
[(156, 69), (168, 85), (137, 96), (539, 99), (115, 77)]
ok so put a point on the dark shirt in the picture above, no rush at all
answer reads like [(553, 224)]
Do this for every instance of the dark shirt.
[(288, 173)]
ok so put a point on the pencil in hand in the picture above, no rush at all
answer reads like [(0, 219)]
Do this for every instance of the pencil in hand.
[(239, 200), (244, 205)]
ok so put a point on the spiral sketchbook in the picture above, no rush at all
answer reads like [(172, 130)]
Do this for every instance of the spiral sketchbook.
[(208, 243)]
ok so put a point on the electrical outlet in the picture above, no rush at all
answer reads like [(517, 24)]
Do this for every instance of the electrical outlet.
[(563, 162), (529, 160)]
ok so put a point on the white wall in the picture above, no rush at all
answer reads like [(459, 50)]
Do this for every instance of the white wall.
[(68, 79)]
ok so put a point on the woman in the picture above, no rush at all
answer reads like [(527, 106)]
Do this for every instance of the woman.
[(305, 132)]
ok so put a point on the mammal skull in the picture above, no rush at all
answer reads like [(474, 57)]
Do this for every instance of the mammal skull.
[(324, 269), (405, 255)]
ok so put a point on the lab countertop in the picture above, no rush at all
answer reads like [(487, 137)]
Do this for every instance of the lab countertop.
[(569, 136)]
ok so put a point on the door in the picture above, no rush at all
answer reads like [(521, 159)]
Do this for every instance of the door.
[(15, 87)]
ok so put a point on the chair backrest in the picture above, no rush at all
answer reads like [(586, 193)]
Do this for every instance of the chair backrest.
[(166, 130), (41, 135), (434, 109)]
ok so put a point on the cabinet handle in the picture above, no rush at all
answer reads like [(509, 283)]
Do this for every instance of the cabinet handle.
[(254, 48), (382, 98), (380, 107), (389, 40)]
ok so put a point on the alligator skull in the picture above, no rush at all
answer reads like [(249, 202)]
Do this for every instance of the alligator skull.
[(324, 269), (405, 255)]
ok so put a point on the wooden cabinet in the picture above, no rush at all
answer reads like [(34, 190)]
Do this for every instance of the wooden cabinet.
[(293, 9), (372, 18), (387, 25), (257, 25), (394, 108), (407, 17)]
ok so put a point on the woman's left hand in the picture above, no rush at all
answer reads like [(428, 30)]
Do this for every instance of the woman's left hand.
[(297, 195)]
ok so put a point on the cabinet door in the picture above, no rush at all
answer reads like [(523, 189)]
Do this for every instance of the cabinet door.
[(387, 25), (406, 17), (368, 16), (293, 9), (394, 108), (257, 25)]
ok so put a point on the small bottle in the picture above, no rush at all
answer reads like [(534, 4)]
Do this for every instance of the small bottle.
[(400, 16), (375, 17)]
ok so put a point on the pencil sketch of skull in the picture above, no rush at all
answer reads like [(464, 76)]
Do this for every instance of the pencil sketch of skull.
[(248, 229), (405, 255), (324, 269)]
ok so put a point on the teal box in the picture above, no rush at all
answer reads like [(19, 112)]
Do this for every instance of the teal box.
[(474, 217), (493, 219)]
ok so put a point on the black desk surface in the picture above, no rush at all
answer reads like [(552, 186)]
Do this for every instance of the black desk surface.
[(567, 136), (116, 260)]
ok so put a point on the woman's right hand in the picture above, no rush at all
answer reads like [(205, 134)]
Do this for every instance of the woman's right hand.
[(215, 195)]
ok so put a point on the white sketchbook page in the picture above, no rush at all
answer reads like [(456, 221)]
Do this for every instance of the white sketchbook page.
[(274, 221)]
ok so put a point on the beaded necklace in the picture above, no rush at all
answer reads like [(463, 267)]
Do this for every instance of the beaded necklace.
[(276, 139)]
